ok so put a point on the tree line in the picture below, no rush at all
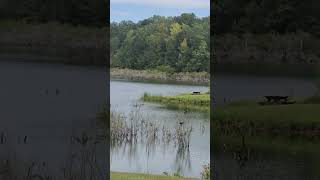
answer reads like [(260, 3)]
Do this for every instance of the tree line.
[(265, 16), (172, 44), (85, 12), (266, 31)]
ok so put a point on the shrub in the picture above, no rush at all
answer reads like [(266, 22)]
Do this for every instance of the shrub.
[(205, 173), (166, 69)]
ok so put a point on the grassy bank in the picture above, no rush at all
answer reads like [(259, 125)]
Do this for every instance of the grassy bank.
[(136, 176), (52, 42), (278, 145), (199, 102), (249, 118), (201, 78)]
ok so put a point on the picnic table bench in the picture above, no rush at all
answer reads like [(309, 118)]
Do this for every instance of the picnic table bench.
[(276, 100), (195, 92)]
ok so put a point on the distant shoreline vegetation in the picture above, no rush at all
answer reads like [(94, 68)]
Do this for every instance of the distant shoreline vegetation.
[(272, 54), (179, 44), (52, 42), (159, 75), (182, 44)]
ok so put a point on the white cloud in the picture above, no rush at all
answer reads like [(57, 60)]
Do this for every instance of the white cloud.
[(186, 4)]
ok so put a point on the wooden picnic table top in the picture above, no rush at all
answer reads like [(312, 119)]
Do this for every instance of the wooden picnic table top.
[(276, 100), (276, 97)]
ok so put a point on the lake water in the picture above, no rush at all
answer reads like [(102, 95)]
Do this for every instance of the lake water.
[(238, 87), (263, 164), (124, 97), (270, 158), (44, 108)]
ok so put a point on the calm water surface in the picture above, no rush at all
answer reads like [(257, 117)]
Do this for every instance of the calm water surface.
[(42, 108), (124, 97), (32, 108)]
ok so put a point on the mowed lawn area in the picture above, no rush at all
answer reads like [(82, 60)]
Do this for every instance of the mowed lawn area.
[(136, 176), (299, 119)]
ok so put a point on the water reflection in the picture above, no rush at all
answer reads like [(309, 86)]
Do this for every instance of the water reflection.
[(182, 160), (49, 128), (155, 147), (264, 157), (128, 134), (82, 159)]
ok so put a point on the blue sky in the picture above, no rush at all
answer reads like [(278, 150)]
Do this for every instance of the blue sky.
[(136, 10)]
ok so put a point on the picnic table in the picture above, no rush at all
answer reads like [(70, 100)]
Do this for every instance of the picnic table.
[(276, 100)]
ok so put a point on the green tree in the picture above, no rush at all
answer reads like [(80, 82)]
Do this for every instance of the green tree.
[(159, 42)]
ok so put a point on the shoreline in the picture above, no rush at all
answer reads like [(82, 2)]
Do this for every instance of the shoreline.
[(35, 59), (196, 78), (268, 70), (53, 42), (141, 176)]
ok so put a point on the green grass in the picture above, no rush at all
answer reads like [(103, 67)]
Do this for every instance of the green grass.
[(199, 102), (278, 145), (137, 176), (300, 119)]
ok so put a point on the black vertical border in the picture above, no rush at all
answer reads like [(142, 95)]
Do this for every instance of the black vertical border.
[(107, 2), (212, 56)]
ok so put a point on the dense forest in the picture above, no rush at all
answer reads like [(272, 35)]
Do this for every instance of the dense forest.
[(174, 44), (265, 16), (260, 32), (254, 32), (84, 12), (54, 31)]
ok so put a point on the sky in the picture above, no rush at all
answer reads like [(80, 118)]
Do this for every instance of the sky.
[(136, 10)]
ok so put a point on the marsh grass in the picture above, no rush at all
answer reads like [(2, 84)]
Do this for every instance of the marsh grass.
[(205, 173), (80, 165), (80, 161), (185, 101), (137, 129)]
